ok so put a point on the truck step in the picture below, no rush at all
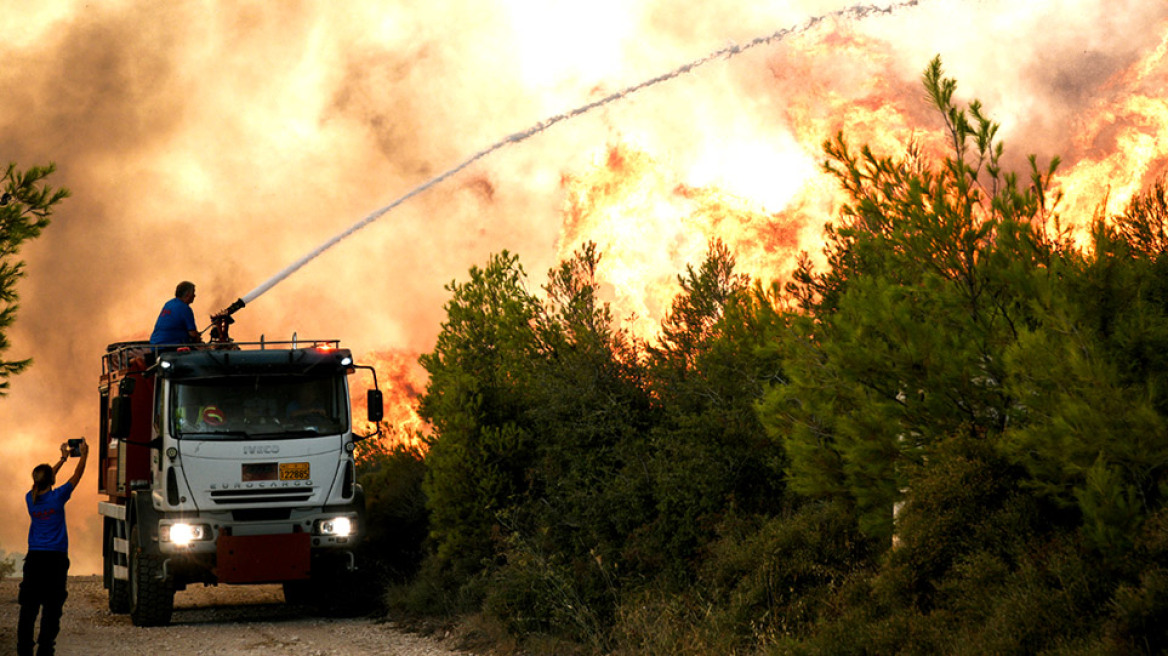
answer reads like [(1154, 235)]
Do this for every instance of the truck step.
[(111, 510)]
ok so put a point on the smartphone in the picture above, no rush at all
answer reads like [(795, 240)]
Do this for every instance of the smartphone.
[(75, 447)]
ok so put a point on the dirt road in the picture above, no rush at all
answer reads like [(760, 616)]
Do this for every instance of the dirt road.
[(219, 621)]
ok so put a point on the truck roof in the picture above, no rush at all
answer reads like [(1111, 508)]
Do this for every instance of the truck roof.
[(306, 357)]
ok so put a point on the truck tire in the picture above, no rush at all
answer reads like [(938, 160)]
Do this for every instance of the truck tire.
[(298, 593), (151, 597), (119, 590)]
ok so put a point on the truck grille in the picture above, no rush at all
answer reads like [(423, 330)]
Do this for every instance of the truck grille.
[(273, 495)]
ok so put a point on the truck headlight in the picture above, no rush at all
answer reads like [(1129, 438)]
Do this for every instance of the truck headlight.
[(340, 527), (183, 534)]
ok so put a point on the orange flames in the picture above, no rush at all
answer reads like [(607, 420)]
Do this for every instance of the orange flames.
[(402, 380), (649, 222), (1121, 143), (649, 225)]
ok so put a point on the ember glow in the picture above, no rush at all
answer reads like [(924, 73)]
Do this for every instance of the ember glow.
[(219, 143), (401, 380)]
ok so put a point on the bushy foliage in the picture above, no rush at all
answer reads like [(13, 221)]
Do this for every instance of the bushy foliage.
[(903, 341), (538, 406), (779, 576), (1090, 383), (395, 509), (1140, 603), (475, 401), (598, 463), (709, 451), (948, 440), (963, 359)]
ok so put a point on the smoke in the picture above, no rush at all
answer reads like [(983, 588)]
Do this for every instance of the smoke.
[(858, 12), (218, 143)]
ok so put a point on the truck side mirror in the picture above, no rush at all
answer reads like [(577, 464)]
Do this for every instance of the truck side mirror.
[(120, 413), (376, 405)]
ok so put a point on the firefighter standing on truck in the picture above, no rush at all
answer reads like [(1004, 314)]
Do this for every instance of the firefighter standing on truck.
[(46, 566), (176, 321)]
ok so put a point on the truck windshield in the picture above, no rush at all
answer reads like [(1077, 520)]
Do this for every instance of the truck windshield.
[(258, 406)]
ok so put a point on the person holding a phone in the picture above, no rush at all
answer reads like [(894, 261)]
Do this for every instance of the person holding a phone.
[(46, 566)]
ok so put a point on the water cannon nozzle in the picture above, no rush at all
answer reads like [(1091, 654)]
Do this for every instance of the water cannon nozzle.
[(220, 321)]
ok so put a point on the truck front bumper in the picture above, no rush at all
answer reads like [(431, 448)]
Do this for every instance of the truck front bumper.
[(204, 534)]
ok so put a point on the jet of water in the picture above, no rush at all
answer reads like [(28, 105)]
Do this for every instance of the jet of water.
[(857, 12)]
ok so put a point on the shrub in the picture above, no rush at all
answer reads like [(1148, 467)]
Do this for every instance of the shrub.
[(541, 592), (777, 579), (964, 500), (395, 508)]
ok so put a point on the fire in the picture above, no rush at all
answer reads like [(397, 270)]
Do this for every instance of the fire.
[(1121, 145), (649, 221), (626, 205), (402, 381)]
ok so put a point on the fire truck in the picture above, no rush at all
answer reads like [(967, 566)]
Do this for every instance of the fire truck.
[(228, 463)]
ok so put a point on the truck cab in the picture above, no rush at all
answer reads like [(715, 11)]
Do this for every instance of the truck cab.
[(228, 464)]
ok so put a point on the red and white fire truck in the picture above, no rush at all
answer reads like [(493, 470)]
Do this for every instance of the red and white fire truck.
[(228, 463)]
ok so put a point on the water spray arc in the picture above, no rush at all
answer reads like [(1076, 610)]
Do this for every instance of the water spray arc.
[(857, 12)]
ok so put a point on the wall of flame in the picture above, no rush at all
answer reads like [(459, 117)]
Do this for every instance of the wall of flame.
[(217, 141)]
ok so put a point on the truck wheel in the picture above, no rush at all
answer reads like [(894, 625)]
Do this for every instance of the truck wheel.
[(298, 593), (119, 589), (151, 597)]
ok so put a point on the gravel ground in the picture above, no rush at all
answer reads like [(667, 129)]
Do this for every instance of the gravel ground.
[(214, 621)]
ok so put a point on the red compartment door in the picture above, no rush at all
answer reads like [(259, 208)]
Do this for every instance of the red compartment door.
[(264, 558)]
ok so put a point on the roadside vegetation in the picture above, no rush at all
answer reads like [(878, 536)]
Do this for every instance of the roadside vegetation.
[(952, 438)]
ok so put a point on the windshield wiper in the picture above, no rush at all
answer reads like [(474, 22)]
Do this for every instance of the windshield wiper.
[(303, 432), (214, 434)]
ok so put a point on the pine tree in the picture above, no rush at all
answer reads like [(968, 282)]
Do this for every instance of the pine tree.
[(26, 205), (930, 275), (476, 400), (710, 454)]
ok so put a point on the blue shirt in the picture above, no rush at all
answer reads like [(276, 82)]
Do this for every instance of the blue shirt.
[(46, 531), (174, 323)]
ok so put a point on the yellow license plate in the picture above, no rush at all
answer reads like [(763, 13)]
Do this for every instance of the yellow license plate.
[(294, 471)]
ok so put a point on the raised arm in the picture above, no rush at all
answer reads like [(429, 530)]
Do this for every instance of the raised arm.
[(64, 457), (76, 477)]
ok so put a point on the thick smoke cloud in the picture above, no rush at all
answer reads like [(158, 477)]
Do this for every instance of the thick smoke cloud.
[(218, 142)]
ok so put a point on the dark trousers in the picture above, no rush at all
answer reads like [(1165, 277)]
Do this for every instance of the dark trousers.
[(43, 591)]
